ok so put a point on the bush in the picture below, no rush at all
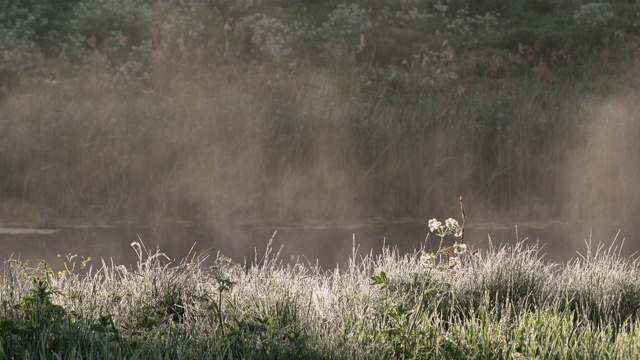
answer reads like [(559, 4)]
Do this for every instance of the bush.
[(265, 37), (593, 17), (98, 19)]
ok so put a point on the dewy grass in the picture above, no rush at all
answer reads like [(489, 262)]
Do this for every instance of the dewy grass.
[(504, 303)]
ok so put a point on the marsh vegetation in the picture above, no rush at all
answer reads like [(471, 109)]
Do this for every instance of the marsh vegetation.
[(319, 112), (505, 303), (277, 111)]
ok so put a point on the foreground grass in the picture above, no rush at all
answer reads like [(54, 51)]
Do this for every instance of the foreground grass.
[(505, 303)]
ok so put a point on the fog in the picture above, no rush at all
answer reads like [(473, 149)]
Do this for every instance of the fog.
[(602, 176), (226, 161)]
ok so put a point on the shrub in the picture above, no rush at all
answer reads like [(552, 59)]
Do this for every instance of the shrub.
[(342, 33), (593, 17), (98, 19), (265, 37)]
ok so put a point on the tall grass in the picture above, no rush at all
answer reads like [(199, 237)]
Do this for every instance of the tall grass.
[(504, 303)]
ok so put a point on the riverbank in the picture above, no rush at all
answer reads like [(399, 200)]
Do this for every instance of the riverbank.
[(503, 303), (219, 112)]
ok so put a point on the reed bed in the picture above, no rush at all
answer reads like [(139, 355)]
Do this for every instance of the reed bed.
[(309, 148), (270, 111)]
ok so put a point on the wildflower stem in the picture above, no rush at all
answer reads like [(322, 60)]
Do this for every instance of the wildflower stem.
[(464, 217)]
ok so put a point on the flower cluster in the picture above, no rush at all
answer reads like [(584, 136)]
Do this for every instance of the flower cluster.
[(342, 34), (269, 37), (450, 227), (593, 16), (459, 249), (439, 66), (445, 258), (429, 260), (471, 28), (345, 21), (413, 15)]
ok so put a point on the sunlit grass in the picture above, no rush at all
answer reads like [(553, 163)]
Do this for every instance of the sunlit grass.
[(503, 303)]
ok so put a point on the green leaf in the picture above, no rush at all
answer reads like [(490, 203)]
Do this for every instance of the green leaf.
[(7, 325), (380, 279), (52, 308)]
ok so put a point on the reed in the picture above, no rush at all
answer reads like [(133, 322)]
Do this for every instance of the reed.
[(214, 114)]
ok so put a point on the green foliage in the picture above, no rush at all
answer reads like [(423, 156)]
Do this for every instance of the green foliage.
[(98, 19), (34, 318), (46, 22), (266, 38), (132, 109), (271, 30)]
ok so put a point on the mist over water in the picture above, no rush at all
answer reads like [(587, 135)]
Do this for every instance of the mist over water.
[(303, 175), (238, 151), (293, 161), (325, 246), (603, 173)]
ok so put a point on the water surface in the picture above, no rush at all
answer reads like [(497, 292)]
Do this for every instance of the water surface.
[(324, 245)]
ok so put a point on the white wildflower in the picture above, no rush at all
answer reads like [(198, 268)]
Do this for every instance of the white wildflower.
[(454, 262), (459, 249), (429, 260), (453, 227), (451, 223), (434, 225)]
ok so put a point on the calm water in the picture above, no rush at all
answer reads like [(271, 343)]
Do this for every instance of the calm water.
[(327, 246)]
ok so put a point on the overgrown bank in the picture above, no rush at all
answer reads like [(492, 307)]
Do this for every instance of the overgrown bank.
[(299, 111)]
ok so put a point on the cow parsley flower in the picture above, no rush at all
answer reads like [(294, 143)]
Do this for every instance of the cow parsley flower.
[(451, 227), (434, 225), (429, 260), (459, 249), (454, 262)]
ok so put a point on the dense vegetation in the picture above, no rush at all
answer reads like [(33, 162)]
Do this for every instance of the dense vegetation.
[(308, 110), (280, 110), (502, 304)]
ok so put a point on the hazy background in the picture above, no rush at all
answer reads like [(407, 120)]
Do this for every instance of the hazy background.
[(221, 122)]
